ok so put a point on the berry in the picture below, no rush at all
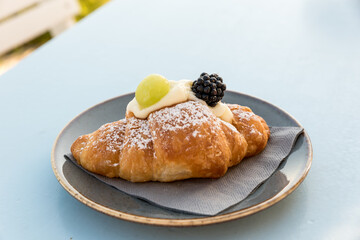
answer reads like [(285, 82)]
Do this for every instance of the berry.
[(200, 89), (213, 92), (209, 88)]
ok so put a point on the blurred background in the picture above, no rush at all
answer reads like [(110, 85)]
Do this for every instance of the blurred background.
[(28, 24)]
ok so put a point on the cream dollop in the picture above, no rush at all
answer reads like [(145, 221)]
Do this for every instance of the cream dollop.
[(180, 91)]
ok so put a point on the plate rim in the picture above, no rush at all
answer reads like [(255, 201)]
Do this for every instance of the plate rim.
[(180, 222)]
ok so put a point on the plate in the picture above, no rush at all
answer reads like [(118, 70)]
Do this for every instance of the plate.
[(108, 200)]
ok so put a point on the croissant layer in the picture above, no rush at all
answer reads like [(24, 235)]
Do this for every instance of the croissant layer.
[(179, 142)]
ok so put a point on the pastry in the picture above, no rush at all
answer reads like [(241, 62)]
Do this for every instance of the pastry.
[(174, 130)]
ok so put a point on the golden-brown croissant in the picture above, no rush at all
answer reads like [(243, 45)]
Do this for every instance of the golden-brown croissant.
[(182, 141)]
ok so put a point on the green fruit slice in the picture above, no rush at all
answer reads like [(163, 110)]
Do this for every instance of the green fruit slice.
[(150, 90)]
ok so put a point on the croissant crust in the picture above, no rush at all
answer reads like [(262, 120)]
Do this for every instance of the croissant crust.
[(182, 141)]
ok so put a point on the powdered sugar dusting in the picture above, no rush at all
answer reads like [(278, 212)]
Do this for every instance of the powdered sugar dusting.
[(230, 126), (185, 115), (195, 133), (190, 115), (111, 134), (243, 114), (250, 118), (254, 130), (138, 133)]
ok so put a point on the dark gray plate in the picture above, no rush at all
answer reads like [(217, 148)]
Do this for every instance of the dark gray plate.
[(106, 199)]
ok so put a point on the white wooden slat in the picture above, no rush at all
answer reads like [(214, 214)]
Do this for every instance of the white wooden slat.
[(35, 21), (62, 26), (9, 7)]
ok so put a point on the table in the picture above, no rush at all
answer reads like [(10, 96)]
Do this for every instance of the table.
[(302, 56)]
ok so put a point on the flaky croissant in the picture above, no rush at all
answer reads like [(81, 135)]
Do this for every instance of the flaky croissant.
[(183, 141)]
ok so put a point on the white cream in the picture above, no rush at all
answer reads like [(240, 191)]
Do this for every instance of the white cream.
[(180, 91), (220, 110)]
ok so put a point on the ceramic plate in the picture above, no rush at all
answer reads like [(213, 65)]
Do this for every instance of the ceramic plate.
[(108, 200)]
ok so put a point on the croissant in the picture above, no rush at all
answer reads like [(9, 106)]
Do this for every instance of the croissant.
[(179, 142)]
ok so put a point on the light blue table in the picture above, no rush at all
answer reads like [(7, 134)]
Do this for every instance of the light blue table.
[(303, 56)]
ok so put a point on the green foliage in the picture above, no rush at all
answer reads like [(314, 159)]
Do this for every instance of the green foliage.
[(87, 6)]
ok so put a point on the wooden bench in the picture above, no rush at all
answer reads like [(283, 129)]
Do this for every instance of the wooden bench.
[(23, 20)]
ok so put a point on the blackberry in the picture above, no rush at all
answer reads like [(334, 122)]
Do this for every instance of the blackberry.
[(209, 88)]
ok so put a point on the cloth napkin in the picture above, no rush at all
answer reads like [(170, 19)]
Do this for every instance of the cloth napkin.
[(211, 196)]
